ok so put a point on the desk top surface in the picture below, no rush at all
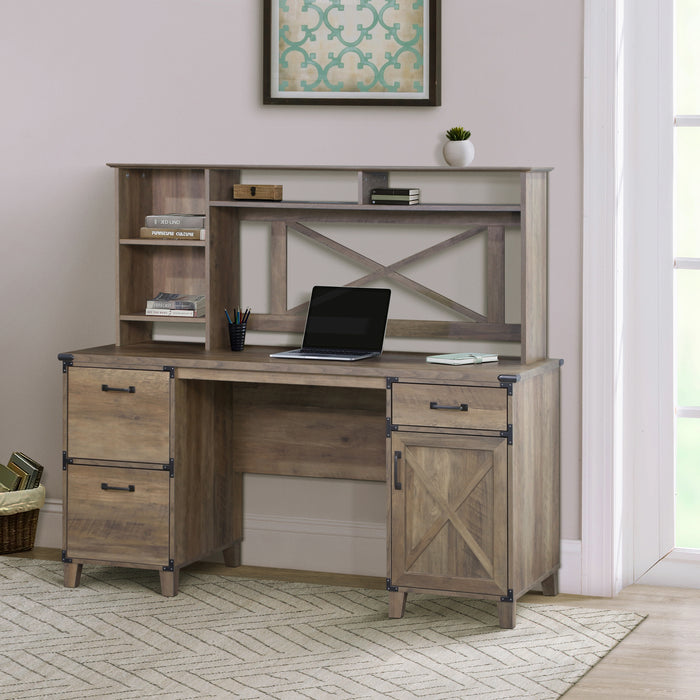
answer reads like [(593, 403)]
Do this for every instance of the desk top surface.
[(256, 358)]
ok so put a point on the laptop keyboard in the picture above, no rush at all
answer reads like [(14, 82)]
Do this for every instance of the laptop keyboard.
[(333, 353)]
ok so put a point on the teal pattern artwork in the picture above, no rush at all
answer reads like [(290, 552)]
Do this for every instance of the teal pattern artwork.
[(341, 48)]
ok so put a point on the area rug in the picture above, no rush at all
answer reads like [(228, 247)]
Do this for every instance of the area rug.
[(226, 637)]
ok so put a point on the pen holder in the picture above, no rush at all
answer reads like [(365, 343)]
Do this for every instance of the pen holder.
[(236, 334)]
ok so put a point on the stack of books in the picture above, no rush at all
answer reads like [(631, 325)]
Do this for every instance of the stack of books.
[(176, 227), (395, 195), (21, 472), (172, 304)]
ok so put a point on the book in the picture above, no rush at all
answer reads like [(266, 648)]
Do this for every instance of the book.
[(171, 300), (191, 313), (402, 202), (175, 221), (395, 195), (180, 234), (186, 313), (9, 479), (23, 476), (393, 198), (33, 469), (404, 191), (462, 358)]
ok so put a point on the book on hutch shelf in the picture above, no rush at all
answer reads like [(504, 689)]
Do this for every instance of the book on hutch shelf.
[(395, 195), (175, 221), (184, 313), (173, 300), (389, 200), (176, 234), (403, 191), (173, 304), (462, 358)]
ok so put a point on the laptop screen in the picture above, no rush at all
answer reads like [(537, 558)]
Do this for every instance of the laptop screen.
[(346, 318)]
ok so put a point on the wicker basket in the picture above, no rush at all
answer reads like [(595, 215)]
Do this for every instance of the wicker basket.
[(17, 532), (19, 515)]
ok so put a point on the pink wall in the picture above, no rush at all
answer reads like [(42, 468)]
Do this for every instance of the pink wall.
[(179, 81)]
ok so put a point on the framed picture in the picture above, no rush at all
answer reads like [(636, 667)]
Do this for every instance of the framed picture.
[(351, 52)]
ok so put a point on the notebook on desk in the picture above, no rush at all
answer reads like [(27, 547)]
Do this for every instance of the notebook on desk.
[(343, 323)]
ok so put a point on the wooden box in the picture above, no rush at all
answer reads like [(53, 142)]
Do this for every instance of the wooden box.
[(266, 192)]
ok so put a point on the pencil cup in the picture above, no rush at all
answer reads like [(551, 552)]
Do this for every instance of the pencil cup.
[(236, 334)]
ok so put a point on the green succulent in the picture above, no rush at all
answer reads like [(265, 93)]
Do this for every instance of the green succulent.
[(457, 133)]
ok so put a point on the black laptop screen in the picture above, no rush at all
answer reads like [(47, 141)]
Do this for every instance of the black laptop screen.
[(346, 318)]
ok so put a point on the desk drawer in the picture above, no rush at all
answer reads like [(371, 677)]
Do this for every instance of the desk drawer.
[(449, 406), (118, 514), (118, 414)]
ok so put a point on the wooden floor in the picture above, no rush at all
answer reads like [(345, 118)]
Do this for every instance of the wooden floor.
[(660, 659)]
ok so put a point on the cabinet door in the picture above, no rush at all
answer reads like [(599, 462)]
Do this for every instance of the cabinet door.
[(118, 414), (449, 513)]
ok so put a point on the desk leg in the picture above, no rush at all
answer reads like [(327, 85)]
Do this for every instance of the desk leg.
[(232, 554), (169, 582), (506, 615), (550, 585), (397, 603), (71, 574)]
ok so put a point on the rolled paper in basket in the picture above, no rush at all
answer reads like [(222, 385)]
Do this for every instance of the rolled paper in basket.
[(12, 502)]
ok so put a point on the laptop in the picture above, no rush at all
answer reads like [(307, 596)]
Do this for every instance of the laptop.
[(343, 323)]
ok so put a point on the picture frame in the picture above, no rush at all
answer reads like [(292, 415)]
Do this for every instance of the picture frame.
[(351, 52)]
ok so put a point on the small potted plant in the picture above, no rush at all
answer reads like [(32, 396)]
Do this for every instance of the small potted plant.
[(458, 151)]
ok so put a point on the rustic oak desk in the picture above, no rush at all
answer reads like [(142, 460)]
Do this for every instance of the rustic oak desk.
[(158, 435), (158, 438)]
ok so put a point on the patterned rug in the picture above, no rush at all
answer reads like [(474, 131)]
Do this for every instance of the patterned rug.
[(225, 637)]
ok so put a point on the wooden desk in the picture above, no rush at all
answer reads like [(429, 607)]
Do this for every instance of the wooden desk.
[(157, 437)]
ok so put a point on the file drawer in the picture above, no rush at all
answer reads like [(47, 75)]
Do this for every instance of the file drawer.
[(449, 406), (118, 514), (118, 414)]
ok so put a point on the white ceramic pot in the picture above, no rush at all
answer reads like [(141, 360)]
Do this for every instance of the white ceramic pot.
[(458, 153)]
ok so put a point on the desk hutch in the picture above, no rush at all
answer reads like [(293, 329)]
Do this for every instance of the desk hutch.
[(157, 435)]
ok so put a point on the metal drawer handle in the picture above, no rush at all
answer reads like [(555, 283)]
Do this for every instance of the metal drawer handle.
[(397, 483), (458, 407), (129, 390), (107, 487)]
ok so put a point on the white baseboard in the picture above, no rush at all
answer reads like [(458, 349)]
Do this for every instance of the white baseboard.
[(49, 529), (570, 572), (313, 544)]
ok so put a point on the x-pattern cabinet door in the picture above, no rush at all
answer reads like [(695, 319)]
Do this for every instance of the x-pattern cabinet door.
[(449, 513)]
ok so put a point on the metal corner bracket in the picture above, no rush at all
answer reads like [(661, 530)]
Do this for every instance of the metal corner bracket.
[(508, 598), (66, 359), (507, 381), (508, 433)]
